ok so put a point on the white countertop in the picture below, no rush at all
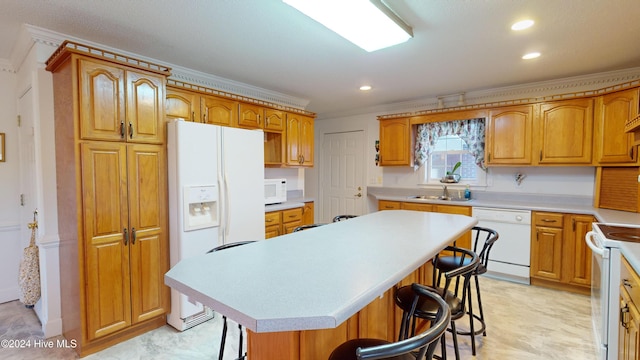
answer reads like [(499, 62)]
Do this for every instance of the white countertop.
[(317, 278)]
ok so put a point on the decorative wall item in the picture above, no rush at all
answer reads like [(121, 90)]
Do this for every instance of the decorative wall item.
[(2, 157), (377, 146)]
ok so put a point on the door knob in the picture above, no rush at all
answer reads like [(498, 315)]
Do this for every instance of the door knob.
[(358, 195)]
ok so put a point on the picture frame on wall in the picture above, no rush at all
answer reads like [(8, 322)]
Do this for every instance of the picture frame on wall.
[(2, 156)]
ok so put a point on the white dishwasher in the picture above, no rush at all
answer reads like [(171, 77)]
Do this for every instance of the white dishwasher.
[(510, 256)]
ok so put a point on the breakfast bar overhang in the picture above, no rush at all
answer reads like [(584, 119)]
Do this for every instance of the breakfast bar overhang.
[(301, 294)]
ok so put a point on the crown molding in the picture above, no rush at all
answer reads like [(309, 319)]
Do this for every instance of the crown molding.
[(182, 74), (35, 35), (535, 90)]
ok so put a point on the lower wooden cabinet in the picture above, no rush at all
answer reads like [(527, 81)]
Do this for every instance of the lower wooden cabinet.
[(285, 221), (629, 323), (559, 256)]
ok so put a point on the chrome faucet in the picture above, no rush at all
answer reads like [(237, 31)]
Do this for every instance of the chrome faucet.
[(445, 192)]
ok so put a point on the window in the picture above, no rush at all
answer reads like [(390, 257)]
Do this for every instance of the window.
[(447, 151), (440, 145)]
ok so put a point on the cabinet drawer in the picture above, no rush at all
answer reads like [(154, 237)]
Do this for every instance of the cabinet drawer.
[(548, 219), (630, 281), (416, 206), (388, 205), (272, 218), (292, 215)]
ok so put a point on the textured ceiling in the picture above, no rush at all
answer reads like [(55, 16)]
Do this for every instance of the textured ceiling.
[(458, 45)]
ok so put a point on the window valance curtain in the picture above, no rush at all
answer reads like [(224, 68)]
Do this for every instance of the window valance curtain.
[(471, 131)]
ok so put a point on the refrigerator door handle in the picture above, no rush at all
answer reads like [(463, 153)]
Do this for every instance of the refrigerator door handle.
[(227, 206)]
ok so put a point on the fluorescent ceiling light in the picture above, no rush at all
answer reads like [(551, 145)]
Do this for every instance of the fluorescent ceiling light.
[(370, 24), (365, 87)]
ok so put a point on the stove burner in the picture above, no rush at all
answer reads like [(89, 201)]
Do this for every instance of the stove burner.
[(620, 233)]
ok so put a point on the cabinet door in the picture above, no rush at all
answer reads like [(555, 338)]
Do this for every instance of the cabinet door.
[(101, 97), (293, 140), (274, 120), (565, 130), (250, 116), (628, 329), (105, 217), (306, 140), (218, 111), (299, 140), (612, 144), (148, 230), (395, 142), (577, 258), (182, 104), (546, 252), (508, 136), (145, 108), (307, 213)]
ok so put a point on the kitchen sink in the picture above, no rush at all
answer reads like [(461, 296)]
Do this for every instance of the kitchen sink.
[(435, 197)]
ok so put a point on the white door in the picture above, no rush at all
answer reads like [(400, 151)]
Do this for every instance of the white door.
[(26, 138), (342, 174), (11, 253)]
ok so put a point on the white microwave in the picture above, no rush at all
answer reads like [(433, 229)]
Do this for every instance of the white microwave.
[(275, 191)]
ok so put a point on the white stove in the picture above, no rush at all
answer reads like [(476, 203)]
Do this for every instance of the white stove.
[(604, 241)]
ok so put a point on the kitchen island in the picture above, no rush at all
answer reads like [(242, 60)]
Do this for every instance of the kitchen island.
[(301, 294)]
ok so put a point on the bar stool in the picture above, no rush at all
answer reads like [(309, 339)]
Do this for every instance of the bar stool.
[(306, 227), (343, 217), (421, 346), (455, 298), (447, 263), (223, 339)]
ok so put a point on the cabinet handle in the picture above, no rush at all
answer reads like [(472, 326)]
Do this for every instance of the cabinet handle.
[(626, 283), (204, 118), (122, 129), (573, 225), (269, 220), (193, 116), (548, 220), (258, 119), (537, 234), (302, 159), (133, 236), (130, 131), (126, 236), (292, 216), (624, 316), (631, 152), (489, 157), (540, 155)]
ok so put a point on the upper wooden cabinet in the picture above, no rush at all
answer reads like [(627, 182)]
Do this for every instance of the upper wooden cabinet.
[(218, 111), (250, 116), (509, 136), (274, 120), (395, 142), (194, 106), (564, 132), (613, 146), (299, 142), (182, 104), (120, 104)]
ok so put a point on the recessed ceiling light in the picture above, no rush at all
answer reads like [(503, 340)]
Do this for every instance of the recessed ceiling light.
[(521, 25), (365, 87), (531, 55)]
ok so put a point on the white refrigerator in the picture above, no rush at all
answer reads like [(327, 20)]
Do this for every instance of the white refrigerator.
[(216, 197)]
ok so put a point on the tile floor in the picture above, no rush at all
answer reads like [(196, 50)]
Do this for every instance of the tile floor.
[(524, 322)]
